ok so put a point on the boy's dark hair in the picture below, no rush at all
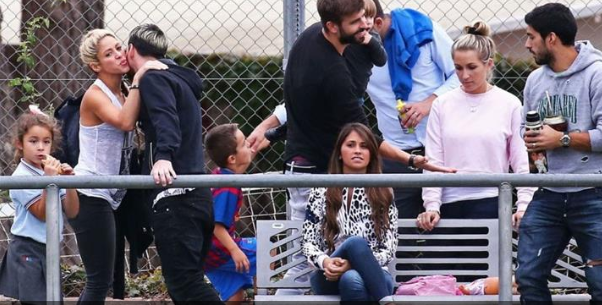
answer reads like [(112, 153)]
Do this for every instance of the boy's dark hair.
[(220, 143), (336, 10), (149, 40), (556, 18), (379, 9)]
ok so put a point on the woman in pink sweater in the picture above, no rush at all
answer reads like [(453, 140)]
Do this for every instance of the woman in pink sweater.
[(476, 129)]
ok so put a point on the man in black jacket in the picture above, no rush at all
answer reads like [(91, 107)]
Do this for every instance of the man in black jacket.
[(171, 119)]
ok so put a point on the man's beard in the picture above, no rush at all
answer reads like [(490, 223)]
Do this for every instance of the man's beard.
[(545, 58), (350, 38)]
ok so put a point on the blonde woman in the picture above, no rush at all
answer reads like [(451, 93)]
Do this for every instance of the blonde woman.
[(476, 129), (106, 119)]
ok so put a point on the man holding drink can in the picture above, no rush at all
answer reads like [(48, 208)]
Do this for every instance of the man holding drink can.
[(566, 91)]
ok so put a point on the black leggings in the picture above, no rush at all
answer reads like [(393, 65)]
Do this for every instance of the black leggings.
[(94, 228)]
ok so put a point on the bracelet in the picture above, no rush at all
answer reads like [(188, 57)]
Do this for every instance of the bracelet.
[(134, 87), (411, 162), (439, 213)]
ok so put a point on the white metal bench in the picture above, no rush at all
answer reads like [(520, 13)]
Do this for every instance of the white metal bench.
[(275, 250)]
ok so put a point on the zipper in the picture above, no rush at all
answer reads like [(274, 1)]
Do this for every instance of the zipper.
[(150, 156)]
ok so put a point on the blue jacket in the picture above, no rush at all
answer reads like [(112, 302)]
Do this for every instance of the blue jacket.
[(409, 31)]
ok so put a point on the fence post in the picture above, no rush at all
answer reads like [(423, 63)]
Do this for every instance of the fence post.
[(505, 240), (294, 24), (53, 239)]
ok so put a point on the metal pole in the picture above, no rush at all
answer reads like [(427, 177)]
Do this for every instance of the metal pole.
[(294, 24), (53, 237), (278, 181), (505, 240)]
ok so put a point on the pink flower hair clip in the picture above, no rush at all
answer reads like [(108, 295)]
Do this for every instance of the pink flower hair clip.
[(36, 110)]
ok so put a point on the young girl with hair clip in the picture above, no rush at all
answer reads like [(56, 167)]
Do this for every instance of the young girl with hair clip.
[(349, 234), (23, 270)]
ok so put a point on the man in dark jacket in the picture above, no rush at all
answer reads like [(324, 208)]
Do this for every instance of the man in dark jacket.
[(170, 114)]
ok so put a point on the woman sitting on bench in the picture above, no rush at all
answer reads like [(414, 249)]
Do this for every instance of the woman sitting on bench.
[(349, 234)]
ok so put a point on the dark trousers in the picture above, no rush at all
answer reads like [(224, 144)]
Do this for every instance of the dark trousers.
[(183, 227), (407, 199), (94, 229), (485, 208)]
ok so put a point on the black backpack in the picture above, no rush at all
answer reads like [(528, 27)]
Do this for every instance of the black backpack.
[(68, 115)]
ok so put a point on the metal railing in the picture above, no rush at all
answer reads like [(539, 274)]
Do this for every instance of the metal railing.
[(504, 182)]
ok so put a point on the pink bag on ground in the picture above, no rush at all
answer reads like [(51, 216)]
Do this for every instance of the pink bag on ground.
[(429, 285)]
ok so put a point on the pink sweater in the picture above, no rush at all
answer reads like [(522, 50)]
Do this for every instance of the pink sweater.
[(475, 133)]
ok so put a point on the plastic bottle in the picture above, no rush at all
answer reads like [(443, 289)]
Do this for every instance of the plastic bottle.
[(402, 116)]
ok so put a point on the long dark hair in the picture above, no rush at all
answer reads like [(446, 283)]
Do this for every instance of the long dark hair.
[(380, 198)]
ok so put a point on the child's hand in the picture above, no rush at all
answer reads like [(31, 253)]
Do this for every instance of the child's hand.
[(51, 166), (367, 38), (241, 261), (66, 169)]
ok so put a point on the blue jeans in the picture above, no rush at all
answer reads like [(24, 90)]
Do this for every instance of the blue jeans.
[(183, 227), (545, 230), (365, 281)]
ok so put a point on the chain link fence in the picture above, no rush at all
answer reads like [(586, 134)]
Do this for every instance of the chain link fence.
[(236, 46)]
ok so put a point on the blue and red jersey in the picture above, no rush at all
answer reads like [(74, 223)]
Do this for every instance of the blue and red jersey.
[(227, 202)]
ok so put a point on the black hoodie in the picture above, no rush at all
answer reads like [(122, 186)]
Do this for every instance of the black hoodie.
[(170, 114)]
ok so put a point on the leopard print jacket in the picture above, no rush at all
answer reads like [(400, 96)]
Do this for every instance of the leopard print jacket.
[(353, 221)]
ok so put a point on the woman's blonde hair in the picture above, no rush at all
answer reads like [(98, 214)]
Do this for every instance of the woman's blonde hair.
[(88, 49), (476, 37)]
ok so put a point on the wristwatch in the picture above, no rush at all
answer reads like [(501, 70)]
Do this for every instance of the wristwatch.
[(565, 140), (411, 162)]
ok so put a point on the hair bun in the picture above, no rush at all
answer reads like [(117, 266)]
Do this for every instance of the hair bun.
[(471, 30), (479, 28)]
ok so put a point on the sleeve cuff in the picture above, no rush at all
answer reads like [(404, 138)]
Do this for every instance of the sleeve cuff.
[(595, 138), (432, 206), (163, 155), (320, 261), (374, 44), (521, 206), (280, 113)]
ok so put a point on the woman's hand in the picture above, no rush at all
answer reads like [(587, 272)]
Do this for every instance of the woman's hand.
[(428, 220), (516, 218), (423, 164), (149, 65), (335, 267)]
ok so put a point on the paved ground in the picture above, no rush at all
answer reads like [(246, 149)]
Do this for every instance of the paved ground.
[(70, 301)]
